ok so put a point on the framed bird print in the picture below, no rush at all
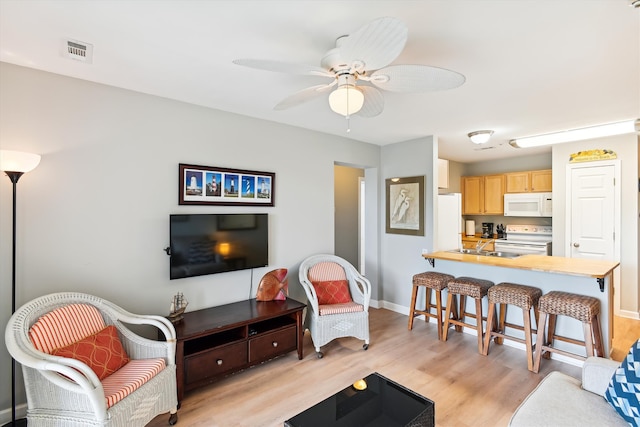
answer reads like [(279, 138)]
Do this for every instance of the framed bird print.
[(405, 205)]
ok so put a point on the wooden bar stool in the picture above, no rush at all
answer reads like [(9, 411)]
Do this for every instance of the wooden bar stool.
[(431, 281), (466, 287), (525, 297), (581, 307)]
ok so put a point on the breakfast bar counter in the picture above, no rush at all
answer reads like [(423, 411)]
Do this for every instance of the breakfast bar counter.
[(549, 273)]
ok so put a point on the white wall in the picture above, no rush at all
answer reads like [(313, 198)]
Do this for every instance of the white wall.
[(626, 147), (94, 215)]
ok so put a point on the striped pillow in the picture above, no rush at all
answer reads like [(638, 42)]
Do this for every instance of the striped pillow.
[(64, 326), (350, 307)]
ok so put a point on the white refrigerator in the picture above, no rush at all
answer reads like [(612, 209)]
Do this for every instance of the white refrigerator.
[(449, 222)]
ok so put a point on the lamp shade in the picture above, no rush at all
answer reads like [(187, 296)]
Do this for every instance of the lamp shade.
[(346, 100), (18, 161), (480, 136)]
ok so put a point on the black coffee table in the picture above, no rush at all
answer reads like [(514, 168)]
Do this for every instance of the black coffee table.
[(383, 403)]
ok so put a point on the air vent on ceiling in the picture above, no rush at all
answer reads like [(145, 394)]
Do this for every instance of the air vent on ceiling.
[(80, 51)]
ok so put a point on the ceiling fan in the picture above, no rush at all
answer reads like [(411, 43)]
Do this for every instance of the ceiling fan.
[(358, 67)]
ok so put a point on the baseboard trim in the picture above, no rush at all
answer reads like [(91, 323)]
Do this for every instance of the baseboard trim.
[(629, 314), (5, 414), (405, 311)]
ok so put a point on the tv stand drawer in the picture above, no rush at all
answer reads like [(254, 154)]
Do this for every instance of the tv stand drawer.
[(272, 344), (215, 362)]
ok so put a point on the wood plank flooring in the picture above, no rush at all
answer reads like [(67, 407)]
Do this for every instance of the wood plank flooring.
[(625, 332), (468, 389)]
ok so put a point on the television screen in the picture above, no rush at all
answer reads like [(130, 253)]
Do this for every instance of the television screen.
[(217, 243)]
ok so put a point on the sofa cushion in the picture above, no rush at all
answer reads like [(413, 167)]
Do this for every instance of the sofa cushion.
[(623, 392), (102, 352), (332, 292), (349, 307), (559, 400)]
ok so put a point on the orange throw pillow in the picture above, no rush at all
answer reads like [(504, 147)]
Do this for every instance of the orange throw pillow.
[(332, 292), (102, 352)]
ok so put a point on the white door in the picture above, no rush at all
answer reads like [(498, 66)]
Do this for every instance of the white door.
[(592, 212)]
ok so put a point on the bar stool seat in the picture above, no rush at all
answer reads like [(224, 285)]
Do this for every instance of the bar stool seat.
[(584, 308), (466, 287), (525, 297), (437, 282)]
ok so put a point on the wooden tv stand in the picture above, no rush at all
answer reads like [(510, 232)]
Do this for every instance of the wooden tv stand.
[(218, 341)]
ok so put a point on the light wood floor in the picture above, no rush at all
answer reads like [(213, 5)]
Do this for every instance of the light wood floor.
[(468, 389), (625, 332)]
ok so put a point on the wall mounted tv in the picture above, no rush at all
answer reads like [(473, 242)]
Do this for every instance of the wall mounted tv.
[(217, 243)]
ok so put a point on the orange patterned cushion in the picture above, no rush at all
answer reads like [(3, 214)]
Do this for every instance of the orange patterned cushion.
[(102, 352), (332, 292)]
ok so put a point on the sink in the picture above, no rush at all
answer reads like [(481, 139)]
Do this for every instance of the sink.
[(469, 252), (503, 254), (498, 254)]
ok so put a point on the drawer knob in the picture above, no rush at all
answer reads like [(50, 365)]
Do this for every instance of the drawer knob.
[(219, 362), (576, 245), (275, 343)]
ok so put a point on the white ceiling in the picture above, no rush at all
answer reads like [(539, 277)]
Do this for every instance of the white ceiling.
[(531, 66)]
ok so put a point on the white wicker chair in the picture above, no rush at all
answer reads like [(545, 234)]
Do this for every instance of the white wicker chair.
[(66, 392), (349, 320)]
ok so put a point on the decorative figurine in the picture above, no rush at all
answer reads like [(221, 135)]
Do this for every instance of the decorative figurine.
[(273, 286), (177, 308)]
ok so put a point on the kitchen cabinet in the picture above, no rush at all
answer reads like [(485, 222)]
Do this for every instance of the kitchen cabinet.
[(528, 181), (483, 195)]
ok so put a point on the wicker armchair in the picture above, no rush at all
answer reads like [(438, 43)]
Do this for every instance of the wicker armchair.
[(64, 391), (323, 278)]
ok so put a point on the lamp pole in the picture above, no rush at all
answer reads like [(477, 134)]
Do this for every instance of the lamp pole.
[(15, 164)]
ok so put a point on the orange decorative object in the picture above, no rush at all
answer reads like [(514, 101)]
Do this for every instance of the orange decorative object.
[(273, 286)]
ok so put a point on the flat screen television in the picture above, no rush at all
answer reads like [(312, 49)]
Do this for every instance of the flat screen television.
[(217, 243)]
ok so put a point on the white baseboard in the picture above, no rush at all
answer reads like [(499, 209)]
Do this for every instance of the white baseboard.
[(629, 314), (405, 310), (5, 414)]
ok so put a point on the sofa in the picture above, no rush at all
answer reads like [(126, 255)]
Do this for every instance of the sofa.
[(561, 400)]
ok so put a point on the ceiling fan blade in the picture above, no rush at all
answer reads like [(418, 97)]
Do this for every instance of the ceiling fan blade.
[(376, 45), (373, 102), (415, 78), (284, 67), (303, 96)]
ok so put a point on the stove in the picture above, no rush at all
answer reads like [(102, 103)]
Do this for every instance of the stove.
[(526, 239)]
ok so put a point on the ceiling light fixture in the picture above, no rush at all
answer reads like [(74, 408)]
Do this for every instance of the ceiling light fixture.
[(635, 3), (600, 131), (480, 136), (347, 99)]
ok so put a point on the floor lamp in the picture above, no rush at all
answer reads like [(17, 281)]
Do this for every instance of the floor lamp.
[(15, 164)]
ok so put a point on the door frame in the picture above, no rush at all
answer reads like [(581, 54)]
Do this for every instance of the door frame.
[(617, 215)]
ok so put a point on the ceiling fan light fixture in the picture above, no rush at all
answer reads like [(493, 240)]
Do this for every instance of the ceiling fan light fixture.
[(480, 136), (346, 100)]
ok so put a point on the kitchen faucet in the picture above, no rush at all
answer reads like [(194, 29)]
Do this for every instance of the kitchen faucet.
[(481, 245)]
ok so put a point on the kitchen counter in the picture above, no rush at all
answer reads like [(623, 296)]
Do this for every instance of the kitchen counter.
[(549, 273), (551, 264)]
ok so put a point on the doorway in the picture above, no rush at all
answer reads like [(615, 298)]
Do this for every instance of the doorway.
[(349, 204)]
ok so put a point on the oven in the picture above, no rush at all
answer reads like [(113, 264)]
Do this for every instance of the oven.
[(523, 247), (526, 240)]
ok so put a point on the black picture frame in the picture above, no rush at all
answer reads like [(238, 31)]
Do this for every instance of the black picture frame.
[(405, 205), (211, 185)]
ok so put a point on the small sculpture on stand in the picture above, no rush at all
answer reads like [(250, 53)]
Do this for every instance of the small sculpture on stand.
[(177, 308), (273, 286)]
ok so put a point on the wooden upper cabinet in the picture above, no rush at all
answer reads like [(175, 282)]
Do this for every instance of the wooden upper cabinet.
[(472, 190), (541, 181), (494, 194), (483, 195), (528, 181)]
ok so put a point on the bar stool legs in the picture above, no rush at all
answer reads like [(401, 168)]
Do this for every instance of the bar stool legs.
[(581, 307), (431, 281), (466, 287), (525, 297)]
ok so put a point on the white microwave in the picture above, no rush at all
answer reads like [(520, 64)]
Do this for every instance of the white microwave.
[(528, 204)]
